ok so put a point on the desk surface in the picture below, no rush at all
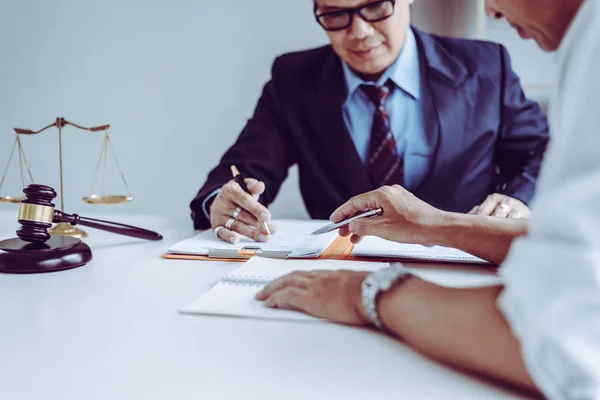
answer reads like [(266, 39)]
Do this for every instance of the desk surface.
[(111, 330)]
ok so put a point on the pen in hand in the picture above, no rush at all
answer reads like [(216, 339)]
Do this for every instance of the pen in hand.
[(333, 226), (240, 180)]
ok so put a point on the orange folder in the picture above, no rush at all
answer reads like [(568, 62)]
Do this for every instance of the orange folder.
[(339, 249)]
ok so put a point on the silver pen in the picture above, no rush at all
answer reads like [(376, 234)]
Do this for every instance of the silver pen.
[(331, 227)]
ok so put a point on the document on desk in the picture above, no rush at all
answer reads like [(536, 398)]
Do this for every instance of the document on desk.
[(372, 246), (292, 237), (234, 295)]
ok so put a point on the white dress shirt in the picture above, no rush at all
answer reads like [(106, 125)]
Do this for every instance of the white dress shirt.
[(552, 276)]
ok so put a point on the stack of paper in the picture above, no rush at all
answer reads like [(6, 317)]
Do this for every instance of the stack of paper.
[(293, 236), (372, 246)]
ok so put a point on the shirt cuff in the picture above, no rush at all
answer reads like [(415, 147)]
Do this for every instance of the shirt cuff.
[(207, 201)]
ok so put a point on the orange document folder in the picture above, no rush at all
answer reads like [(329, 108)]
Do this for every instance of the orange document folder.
[(339, 249)]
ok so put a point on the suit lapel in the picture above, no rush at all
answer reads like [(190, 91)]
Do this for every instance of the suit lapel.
[(443, 103), (330, 128), (426, 147)]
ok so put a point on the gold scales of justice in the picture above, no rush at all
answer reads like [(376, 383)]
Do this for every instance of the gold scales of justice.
[(65, 229)]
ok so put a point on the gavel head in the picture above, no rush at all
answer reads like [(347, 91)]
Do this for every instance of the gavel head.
[(36, 213)]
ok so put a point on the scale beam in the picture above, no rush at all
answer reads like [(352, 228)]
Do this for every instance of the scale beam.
[(92, 198)]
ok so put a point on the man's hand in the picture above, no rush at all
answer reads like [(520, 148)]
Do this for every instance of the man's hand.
[(405, 218), (333, 295), (251, 212), (502, 206)]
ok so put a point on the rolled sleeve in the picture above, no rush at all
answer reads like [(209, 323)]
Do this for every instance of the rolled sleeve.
[(552, 290), (555, 314)]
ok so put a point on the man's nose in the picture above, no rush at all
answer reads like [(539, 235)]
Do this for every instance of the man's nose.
[(360, 28)]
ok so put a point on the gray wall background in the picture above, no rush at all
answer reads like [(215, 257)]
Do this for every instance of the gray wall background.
[(176, 79)]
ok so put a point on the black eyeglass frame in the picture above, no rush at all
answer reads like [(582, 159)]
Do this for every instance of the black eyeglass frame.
[(351, 12)]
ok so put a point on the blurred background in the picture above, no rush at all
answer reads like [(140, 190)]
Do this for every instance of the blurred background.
[(177, 81)]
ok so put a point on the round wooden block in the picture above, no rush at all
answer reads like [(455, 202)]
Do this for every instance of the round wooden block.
[(57, 254)]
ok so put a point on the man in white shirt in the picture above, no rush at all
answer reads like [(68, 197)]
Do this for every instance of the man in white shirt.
[(540, 331)]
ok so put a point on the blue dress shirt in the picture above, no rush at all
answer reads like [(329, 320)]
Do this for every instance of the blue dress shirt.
[(403, 107)]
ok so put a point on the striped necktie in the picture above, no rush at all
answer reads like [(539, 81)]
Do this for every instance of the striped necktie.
[(385, 166)]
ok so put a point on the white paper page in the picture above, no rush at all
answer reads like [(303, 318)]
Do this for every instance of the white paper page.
[(372, 246), (262, 270), (269, 269), (291, 235), (238, 301), (233, 297)]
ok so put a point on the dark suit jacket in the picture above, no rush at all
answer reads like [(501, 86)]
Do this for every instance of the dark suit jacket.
[(484, 134)]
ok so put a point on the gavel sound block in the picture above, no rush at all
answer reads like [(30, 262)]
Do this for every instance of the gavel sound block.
[(35, 251)]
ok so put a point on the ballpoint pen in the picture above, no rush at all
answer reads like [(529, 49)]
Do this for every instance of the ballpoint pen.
[(240, 180), (331, 227)]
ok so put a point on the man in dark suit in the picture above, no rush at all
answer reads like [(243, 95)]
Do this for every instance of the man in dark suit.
[(383, 104)]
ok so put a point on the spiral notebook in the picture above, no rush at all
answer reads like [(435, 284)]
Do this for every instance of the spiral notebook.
[(372, 246), (234, 294)]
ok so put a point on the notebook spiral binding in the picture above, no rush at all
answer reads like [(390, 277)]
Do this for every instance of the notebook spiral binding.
[(246, 280)]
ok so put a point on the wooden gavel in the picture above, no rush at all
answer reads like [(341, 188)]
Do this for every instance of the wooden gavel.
[(37, 214)]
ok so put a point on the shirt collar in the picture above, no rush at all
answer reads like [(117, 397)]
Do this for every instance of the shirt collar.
[(404, 72)]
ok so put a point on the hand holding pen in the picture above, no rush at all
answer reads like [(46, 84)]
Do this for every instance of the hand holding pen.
[(347, 221), (395, 214), (236, 210)]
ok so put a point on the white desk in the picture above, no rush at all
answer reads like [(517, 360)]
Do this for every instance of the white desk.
[(111, 330)]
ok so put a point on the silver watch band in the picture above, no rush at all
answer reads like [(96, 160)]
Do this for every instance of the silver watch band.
[(379, 282)]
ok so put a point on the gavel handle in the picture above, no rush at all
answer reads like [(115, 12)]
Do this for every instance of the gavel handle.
[(114, 227)]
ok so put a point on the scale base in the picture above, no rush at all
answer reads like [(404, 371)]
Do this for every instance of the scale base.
[(65, 229), (57, 254)]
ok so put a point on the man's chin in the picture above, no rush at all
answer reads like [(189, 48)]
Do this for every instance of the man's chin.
[(369, 69), (547, 47), (539, 40)]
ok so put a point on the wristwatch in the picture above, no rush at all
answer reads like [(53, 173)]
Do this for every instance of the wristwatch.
[(377, 283)]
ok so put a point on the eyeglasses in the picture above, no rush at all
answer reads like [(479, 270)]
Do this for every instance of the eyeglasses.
[(342, 19)]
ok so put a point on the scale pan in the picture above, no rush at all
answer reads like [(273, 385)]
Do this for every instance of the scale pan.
[(107, 199), (11, 199)]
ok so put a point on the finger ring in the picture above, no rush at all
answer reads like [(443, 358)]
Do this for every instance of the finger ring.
[(216, 230), (236, 213), (504, 208), (229, 223)]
